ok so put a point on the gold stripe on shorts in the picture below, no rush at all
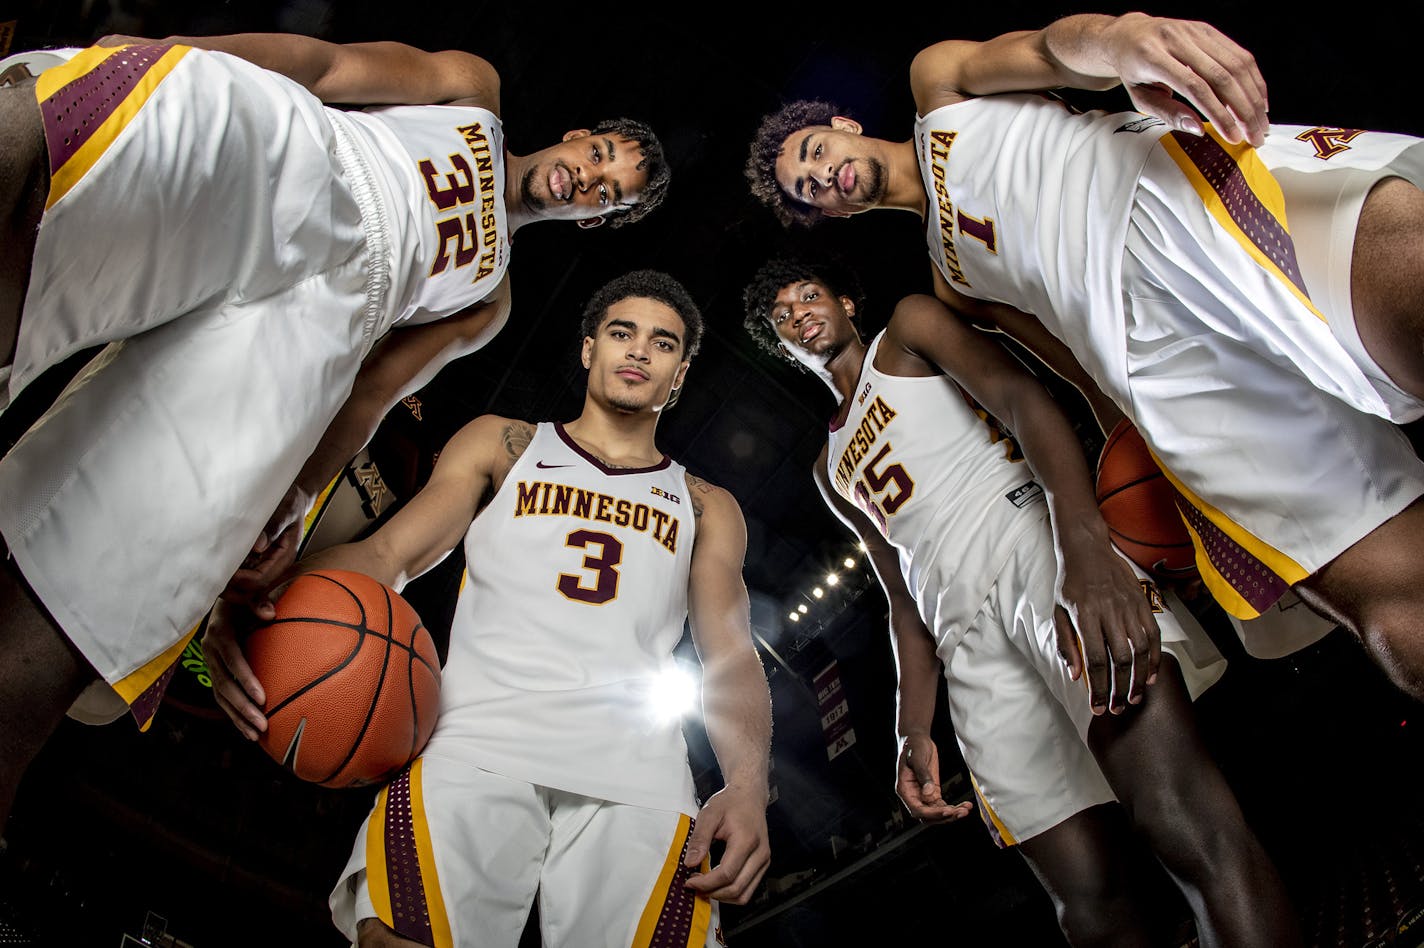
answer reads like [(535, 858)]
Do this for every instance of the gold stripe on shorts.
[(1244, 573), (675, 916), (997, 830), (1243, 196), (87, 102), (400, 864)]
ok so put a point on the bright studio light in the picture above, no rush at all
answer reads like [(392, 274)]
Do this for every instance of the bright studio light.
[(794, 616), (862, 547), (848, 563), (832, 579), (801, 608), (818, 592), (674, 693)]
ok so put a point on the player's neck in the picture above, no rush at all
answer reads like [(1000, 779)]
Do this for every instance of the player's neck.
[(841, 373), (618, 439), (905, 190)]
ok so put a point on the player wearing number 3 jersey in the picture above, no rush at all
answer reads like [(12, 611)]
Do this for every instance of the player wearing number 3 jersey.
[(963, 536), (550, 768), (267, 273)]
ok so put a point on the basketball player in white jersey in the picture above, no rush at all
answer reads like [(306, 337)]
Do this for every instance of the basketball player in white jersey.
[(1001, 572), (586, 549), (271, 273), (1144, 256)]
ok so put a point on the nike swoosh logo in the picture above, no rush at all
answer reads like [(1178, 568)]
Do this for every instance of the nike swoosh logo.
[(547, 466)]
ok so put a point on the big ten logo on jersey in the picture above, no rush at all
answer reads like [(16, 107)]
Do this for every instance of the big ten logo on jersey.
[(864, 393), (471, 193), (657, 491)]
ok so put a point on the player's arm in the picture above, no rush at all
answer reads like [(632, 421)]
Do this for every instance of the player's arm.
[(917, 669), (1032, 335), (1153, 57), (1103, 618), (358, 73), (736, 702), (401, 363), (413, 540)]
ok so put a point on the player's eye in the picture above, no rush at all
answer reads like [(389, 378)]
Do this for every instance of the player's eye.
[(594, 156), (817, 152), (810, 295), (812, 189), (602, 195)]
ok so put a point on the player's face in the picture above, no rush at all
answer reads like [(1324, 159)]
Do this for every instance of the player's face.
[(634, 360), (811, 321), (829, 167), (585, 177)]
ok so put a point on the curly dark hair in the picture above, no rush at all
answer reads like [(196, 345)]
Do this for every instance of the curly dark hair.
[(654, 162), (766, 146), (655, 285), (760, 294)]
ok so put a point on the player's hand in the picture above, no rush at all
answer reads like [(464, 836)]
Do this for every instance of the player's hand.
[(235, 688), (917, 782), (737, 816), (1104, 624), (1157, 56), (272, 554)]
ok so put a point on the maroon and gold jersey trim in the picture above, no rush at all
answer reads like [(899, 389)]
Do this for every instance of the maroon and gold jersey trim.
[(1245, 574), (674, 916), (1243, 196), (143, 689), (400, 864), (87, 102), (598, 463)]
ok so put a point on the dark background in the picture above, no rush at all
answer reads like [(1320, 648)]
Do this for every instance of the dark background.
[(192, 823)]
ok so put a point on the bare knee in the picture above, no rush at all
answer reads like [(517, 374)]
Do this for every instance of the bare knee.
[(374, 933), (1387, 281)]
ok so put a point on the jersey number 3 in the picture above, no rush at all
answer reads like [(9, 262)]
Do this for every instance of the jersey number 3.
[(604, 568)]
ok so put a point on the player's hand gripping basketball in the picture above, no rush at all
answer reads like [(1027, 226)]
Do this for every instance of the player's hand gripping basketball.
[(1156, 57), (917, 782), (1104, 623), (274, 551), (235, 687)]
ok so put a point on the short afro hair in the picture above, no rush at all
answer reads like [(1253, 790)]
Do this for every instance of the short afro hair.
[(766, 146), (760, 294), (654, 162), (653, 285)]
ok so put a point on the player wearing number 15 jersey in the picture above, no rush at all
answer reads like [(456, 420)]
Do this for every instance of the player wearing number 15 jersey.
[(1000, 571), (268, 269), (550, 768)]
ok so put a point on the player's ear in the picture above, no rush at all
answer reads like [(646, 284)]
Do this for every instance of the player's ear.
[(589, 223), (586, 355), (573, 133), (785, 353), (680, 377), (843, 124), (848, 305)]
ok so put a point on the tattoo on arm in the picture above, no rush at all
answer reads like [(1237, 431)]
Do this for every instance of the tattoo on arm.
[(698, 486), (516, 437)]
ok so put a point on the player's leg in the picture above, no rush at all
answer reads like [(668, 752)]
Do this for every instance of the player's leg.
[(41, 675), (1375, 588), (24, 181), (1083, 864), (1180, 803), (450, 854), (614, 876), (1387, 281)]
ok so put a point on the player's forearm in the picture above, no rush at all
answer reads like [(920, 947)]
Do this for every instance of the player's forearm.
[(736, 706), (1077, 45), (1056, 456), (917, 676), (303, 59)]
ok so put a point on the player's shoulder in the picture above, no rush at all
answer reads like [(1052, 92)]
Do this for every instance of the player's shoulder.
[(709, 498), (918, 317), (495, 431)]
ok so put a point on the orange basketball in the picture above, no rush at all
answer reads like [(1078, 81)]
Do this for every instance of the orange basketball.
[(352, 679), (1140, 506)]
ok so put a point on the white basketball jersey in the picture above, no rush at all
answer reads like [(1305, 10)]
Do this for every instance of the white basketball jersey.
[(574, 597), (1029, 203), (443, 171), (937, 479)]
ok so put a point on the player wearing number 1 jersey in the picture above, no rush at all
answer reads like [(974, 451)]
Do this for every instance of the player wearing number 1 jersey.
[(550, 769), (271, 272), (1001, 572)]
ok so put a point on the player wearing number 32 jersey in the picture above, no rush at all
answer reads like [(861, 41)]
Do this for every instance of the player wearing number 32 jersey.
[(270, 240), (551, 768)]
